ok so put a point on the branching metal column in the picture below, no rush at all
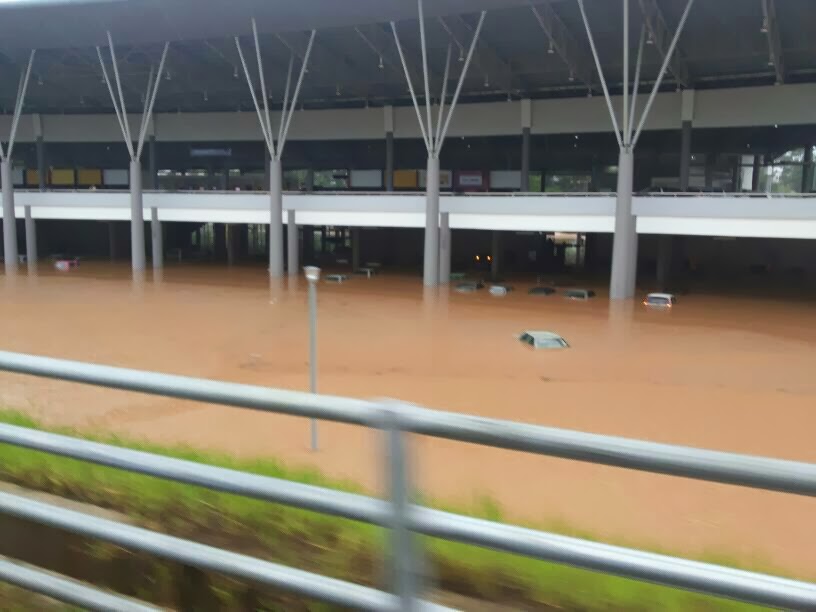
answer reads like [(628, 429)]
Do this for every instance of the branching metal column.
[(10, 252), (434, 138), (625, 243), (137, 241), (274, 151)]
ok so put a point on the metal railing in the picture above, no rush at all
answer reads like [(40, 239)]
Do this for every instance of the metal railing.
[(396, 514)]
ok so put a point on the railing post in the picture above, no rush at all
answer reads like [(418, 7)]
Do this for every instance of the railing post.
[(403, 561)]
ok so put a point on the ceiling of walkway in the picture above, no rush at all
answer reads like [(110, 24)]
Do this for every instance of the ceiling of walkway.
[(536, 49)]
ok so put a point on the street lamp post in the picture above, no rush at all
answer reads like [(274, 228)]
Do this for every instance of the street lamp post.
[(313, 275)]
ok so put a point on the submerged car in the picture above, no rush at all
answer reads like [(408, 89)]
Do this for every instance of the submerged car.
[(469, 286), (541, 291), (579, 294), (660, 300), (543, 340)]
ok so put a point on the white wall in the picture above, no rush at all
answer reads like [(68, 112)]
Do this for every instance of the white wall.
[(776, 217), (751, 106)]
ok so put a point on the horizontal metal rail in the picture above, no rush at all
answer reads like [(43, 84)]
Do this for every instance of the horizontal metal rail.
[(202, 556), (662, 569), (450, 193), (729, 468), (66, 590), (756, 472)]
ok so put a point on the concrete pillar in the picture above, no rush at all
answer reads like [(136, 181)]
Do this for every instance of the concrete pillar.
[(685, 155), (42, 170), (9, 220), (355, 248), (526, 124), (495, 254), (624, 246), (310, 179), (156, 239), (153, 180), (807, 170), (220, 241), (31, 239), (525, 159), (137, 241), (275, 219), (112, 239), (292, 244), (430, 274), (388, 113), (755, 172), (444, 248), (232, 236), (42, 175)]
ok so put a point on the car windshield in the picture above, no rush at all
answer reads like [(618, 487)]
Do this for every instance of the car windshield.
[(659, 301)]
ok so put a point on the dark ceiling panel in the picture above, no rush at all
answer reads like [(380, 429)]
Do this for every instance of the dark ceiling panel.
[(71, 24), (723, 46)]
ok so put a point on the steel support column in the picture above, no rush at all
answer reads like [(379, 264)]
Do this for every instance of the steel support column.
[(30, 223), (156, 239), (292, 247), (42, 170), (31, 240), (624, 246), (153, 180), (525, 159), (112, 239), (495, 252), (444, 248), (275, 219), (434, 139), (389, 161), (355, 248), (10, 251), (685, 155), (430, 275), (232, 238), (9, 219), (137, 240)]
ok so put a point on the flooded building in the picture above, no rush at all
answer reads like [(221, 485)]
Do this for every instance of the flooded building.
[(652, 148)]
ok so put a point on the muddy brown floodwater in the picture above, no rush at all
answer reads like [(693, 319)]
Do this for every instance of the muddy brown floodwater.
[(734, 374)]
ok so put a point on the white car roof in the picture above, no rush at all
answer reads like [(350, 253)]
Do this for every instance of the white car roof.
[(667, 296)]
